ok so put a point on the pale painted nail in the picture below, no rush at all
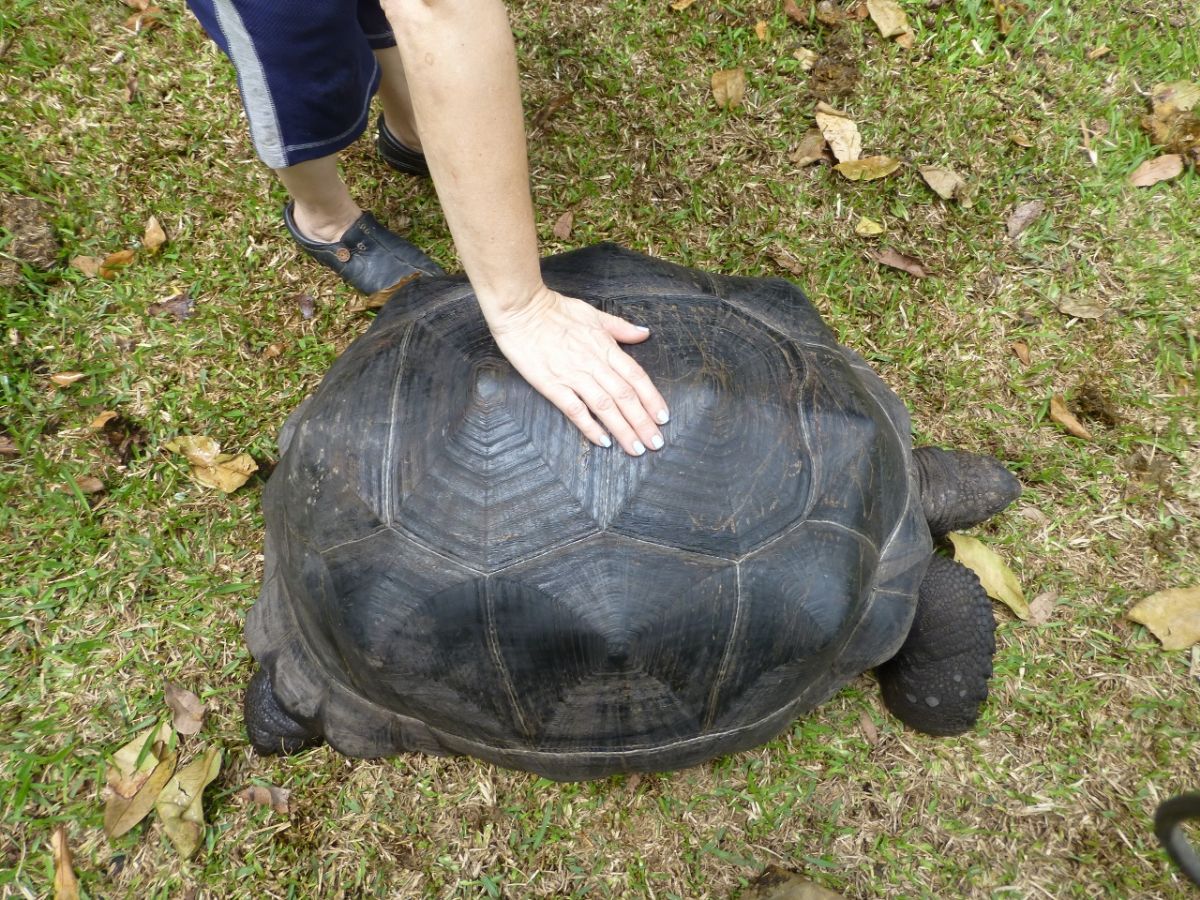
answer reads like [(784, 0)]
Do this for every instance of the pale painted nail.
[(663, 417), (605, 440), (656, 442), (638, 448), (641, 328)]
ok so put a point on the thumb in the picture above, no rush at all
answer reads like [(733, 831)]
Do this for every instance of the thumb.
[(623, 331)]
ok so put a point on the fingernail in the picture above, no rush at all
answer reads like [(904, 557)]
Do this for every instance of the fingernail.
[(663, 417), (605, 441), (656, 442), (638, 448), (641, 328)]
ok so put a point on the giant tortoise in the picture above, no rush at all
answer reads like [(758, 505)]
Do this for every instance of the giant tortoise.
[(452, 568)]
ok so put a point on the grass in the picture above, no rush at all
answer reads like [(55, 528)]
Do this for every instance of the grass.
[(106, 595)]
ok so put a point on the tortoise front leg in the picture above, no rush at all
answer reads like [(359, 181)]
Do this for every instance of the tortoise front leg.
[(270, 728), (938, 681)]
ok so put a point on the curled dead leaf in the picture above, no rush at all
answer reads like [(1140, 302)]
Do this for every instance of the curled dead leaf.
[(729, 87), (1041, 607), (1173, 616), (681, 5), (868, 168), (307, 306), (178, 306), (840, 131), (63, 379), (563, 225), (807, 58), (267, 795), (1078, 308), (946, 183), (180, 804), (1021, 350), (794, 12), (996, 577), (811, 150), (761, 31), (136, 774), (1020, 139), (1064, 417), (66, 885), (154, 236), (901, 261), (1023, 216), (89, 484), (273, 350), (888, 17), (907, 40), (210, 467), (1097, 52), (101, 420), (186, 708), (867, 726), (114, 262), (1153, 171)]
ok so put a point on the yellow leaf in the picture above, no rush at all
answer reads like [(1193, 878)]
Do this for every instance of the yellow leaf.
[(209, 466), (888, 17), (808, 58), (760, 30), (199, 449), (681, 5), (180, 804), (154, 237), (868, 168), (997, 578), (841, 132), (868, 227), (66, 886), (1172, 615), (62, 379), (729, 87), (101, 420), (121, 813), (946, 183)]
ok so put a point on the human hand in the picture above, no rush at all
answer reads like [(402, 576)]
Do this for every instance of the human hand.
[(570, 353)]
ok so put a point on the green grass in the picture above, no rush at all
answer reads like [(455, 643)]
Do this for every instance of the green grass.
[(106, 595)]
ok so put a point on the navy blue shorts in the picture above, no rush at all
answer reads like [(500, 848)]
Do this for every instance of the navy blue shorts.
[(306, 71)]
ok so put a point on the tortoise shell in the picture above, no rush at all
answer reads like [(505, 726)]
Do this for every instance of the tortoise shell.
[(451, 567)]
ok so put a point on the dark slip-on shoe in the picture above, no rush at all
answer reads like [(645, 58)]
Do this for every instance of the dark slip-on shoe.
[(368, 257), (398, 156)]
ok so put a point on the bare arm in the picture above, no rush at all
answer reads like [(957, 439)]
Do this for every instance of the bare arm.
[(462, 72)]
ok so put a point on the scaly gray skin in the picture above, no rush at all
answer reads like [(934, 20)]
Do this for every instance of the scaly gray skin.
[(938, 681), (271, 730)]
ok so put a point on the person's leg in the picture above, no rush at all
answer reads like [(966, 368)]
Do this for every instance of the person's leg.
[(323, 208), (397, 104)]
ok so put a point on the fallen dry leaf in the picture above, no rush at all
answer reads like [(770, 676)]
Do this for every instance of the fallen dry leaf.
[(867, 726), (888, 17), (902, 261), (1172, 97), (101, 420), (1153, 171), (996, 577), (1064, 417), (1173, 616), (811, 150), (180, 804), (840, 131), (179, 307), (946, 183), (1021, 350), (137, 774), (186, 708), (1097, 52), (271, 351), (1020, 139), (563, 225), (89, 484), (1023, 216), (1082, 309), (760, 30), (8, 447), (1041, 607), (868, 227), (146, 20), (88, 265), (154, 236), (114, 262), (66, 885), (868, 168), (829, 13), (1174, 123), (907, 40), (729, 87), (62, 379), (794, 12), (131, 88), (776, 883), (209, 466), (681, 5), (808, 58), (267, 795)]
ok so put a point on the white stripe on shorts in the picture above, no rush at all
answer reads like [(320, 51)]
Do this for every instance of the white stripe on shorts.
[(256, 93)]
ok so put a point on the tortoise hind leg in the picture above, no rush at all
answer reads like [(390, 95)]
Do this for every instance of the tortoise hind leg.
[(270, 728), (938, 681)]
